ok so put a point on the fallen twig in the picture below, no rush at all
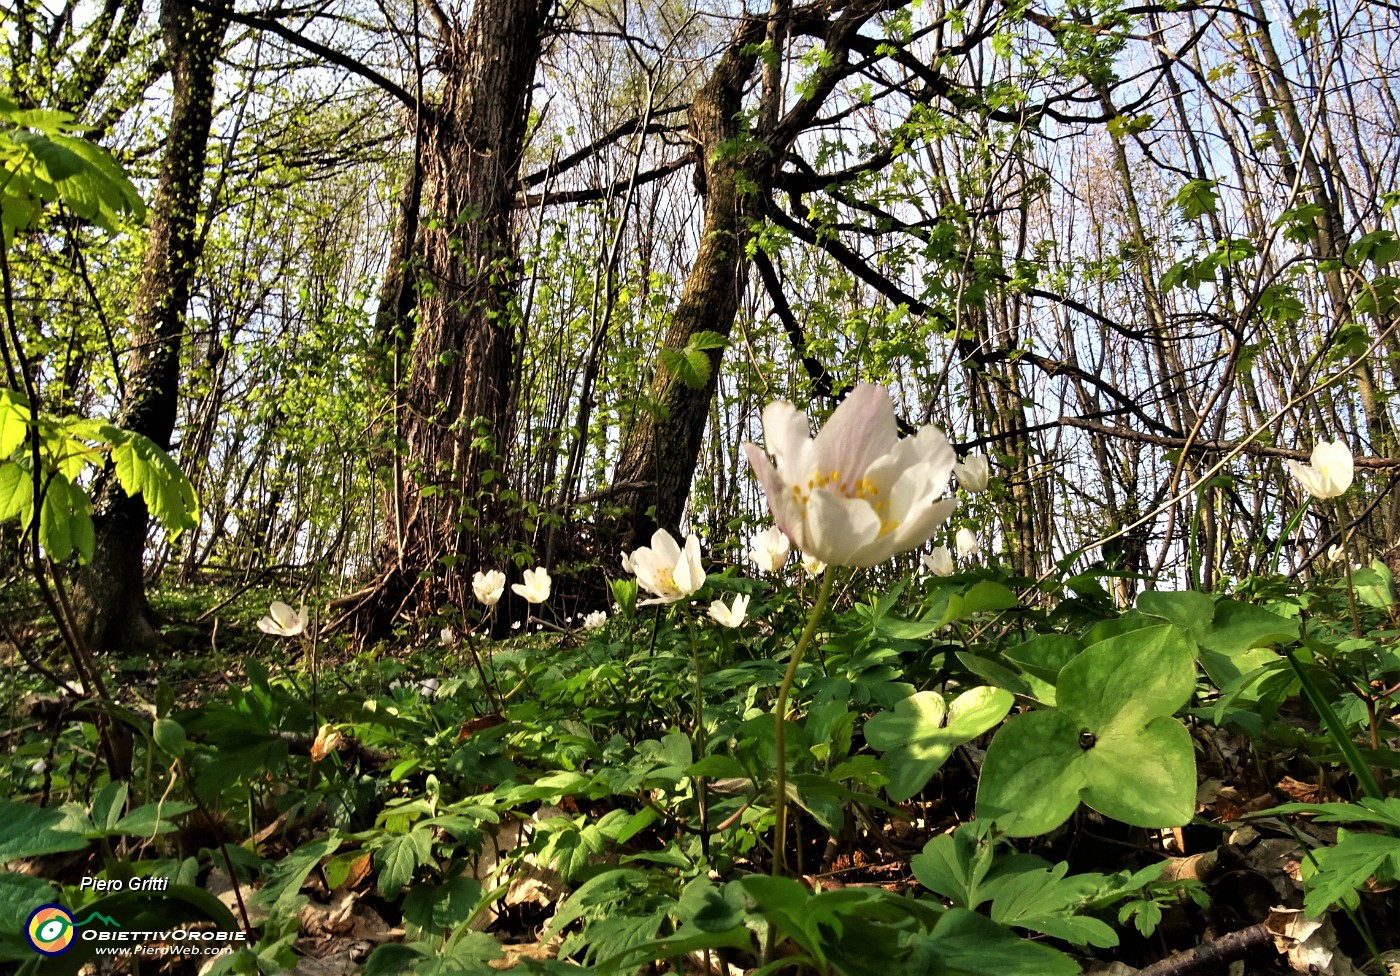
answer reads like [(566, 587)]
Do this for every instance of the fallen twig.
[(1210, 956)]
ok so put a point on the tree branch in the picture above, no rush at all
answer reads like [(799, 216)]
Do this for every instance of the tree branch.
[(608, 138), (315, 47), (589, 194)]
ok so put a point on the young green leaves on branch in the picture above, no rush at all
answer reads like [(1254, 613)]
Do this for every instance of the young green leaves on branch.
[(67, 447), (43, 162)]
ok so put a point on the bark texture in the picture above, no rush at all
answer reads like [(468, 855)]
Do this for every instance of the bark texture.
[(736, 168), (455, 409), (111, 595), (660, 449)]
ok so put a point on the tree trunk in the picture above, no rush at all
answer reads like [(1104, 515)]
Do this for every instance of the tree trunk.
[(735, 171), (111, 594), (662, 444), (456, 422)]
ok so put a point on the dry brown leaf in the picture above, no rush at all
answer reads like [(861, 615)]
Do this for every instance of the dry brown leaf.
[(327, 741), (1310, 944), (1305, 792)]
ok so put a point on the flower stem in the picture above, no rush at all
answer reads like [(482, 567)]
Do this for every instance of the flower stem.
[(780, 716)]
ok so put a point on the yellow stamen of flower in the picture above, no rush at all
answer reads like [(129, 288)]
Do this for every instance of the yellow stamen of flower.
[(863, 489)]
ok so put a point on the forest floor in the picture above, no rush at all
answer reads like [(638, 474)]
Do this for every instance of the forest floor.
[(472, 806)]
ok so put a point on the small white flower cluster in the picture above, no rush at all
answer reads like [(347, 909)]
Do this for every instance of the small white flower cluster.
[(489, 586), (940, 561), (427, 687), (671, 573)]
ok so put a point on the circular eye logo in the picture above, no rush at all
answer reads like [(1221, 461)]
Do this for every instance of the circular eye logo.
[(50, 929)]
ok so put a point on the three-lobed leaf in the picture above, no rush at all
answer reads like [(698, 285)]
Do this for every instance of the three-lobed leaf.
[(1111, 741), (921, 732)]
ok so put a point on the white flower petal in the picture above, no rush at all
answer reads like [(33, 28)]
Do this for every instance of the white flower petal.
[(843, 531)]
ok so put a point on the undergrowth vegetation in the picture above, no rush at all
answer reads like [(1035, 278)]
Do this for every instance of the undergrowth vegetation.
[(986, 774)]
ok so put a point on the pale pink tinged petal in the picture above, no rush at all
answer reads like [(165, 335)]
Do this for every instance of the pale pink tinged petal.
[(860, 430), (922, 523), (690, 575), (840, 528), (650, 570), (925, 457), (921, 484), (283, 614), (1335, 460), (1311, 481), (665, 547), (939, 562), (786, 436), (786, 513)]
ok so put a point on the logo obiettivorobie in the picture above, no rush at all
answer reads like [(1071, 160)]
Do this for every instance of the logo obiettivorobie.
[(50, 928)]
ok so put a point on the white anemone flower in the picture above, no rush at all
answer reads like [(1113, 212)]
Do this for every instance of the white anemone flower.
[(730, 616), (770, 549), (595, 620), (857, 493), (939, 562), (535, 589), (813, 566), (488, 586), (667, 571), (283, 621), (974, 473), (1330, 472), (966, 541)]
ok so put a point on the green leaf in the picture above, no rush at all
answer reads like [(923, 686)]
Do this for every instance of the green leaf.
[(31, 831), (710, 908), (16, 492), (922, 731), (1341, 870), (706, 339), (691, 366), (1239, 639), (1196, 198), (1380, 247), (281, 894), (152, 819), (400, 857), (20, 894), (1039, 898), (14, 421), (1374, 585), (58, 161), (1044, 656), (1031, 782), (1111, 741), (144, 469), (395, 959), (436, 909), (107, 807), (1280, 303), (954, 864), (968, 944)]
